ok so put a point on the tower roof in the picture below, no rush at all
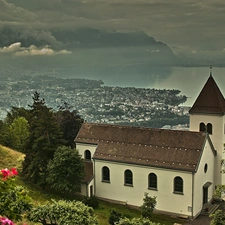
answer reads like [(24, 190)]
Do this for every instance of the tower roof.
[(210, 99)]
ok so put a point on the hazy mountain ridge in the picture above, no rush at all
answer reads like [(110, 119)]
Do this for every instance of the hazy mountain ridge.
[(94, 46), (82, 38), (89, 37)]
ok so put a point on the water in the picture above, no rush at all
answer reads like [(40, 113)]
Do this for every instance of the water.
[(189, 80)]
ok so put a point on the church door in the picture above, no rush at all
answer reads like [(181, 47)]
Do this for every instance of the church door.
[(91, 191), (205, 195)]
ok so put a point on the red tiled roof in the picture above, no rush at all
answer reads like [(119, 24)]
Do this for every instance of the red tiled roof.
[(210, 99), (145, 146)]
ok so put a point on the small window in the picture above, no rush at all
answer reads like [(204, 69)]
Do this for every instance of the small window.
[(128, 178), (105, 174), (205, 168), (152, 181), (87, 155), (209, 128), (202, 127), (178, 185)]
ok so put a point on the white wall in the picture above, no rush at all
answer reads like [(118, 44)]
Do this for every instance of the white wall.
[(217, 137), (166, 199), (84, 189), (81, 147), (200, 178)]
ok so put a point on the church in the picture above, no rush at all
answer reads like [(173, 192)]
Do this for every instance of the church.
[(180, 168)]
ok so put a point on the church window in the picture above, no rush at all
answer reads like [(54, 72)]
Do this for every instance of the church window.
[(152, 181), (202, 127), (209, 128), (205, 167), (128, 178), (178, 185), (87, 155), (105, 174)]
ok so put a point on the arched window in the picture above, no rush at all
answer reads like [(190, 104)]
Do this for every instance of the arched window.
[(152, 181), (105, 174), (87, 155), (209, 128), (128, 177), (178, 185), (202, 127)]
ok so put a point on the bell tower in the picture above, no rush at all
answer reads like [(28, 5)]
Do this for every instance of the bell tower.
[(208, 115)]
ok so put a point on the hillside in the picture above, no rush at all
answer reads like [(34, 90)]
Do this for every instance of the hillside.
[(10, 158)]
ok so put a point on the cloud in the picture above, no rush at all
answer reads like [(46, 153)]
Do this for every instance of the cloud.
[(17, 50), (198, 24), (11, 13), (12, 48)]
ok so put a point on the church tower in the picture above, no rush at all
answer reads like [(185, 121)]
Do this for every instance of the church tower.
[(208, 114)]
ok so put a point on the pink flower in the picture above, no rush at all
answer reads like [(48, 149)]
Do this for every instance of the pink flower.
[(6, 221), (7, 173), (14, 171)]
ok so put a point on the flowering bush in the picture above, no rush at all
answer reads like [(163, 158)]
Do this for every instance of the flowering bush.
[(6, 173), (5, 221), (14, 199)]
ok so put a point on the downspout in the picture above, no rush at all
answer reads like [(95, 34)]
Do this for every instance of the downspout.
[(87, 189), (192, 196), (94, 177)]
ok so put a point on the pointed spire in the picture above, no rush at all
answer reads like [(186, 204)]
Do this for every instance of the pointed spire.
[(210, 99), (210, 70)]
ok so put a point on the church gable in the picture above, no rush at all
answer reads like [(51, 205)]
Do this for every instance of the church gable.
[(210, 99), (180, 150)]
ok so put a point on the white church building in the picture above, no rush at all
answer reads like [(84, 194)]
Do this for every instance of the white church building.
[(180, 168)]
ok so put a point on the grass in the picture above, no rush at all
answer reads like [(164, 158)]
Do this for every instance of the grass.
[(10, 158)]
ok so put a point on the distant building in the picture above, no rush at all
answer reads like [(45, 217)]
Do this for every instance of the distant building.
[(180, 168)]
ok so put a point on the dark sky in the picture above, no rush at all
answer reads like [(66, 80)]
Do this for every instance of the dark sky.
[(187, 26)]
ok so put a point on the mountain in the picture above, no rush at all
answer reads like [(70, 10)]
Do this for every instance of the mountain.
[(94, 38), (132, 46), (89, 45)]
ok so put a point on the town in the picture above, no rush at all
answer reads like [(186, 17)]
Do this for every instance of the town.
[(96, 102)]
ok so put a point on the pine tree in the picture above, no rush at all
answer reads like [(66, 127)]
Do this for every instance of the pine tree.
[(69, 122), (45, 138)]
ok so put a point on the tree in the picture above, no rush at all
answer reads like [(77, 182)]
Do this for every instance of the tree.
[(19, 133), (218, 218), (136, 221), (69, 122), (5, 138), (16, 112), (63, 213), (45, 137), (148, 205), (65, 170)]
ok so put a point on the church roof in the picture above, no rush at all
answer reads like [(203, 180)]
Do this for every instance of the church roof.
[(173, 149), (210, 99)]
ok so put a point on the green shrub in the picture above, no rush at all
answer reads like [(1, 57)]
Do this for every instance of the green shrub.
[(114, 216), (91, 202)]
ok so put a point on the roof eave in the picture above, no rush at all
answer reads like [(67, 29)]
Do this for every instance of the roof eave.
[(204, 112), (139, 164)]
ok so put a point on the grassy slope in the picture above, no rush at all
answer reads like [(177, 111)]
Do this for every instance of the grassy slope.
[(10, 158)]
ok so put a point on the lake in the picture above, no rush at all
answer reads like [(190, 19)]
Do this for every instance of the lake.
[(189, 80)]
